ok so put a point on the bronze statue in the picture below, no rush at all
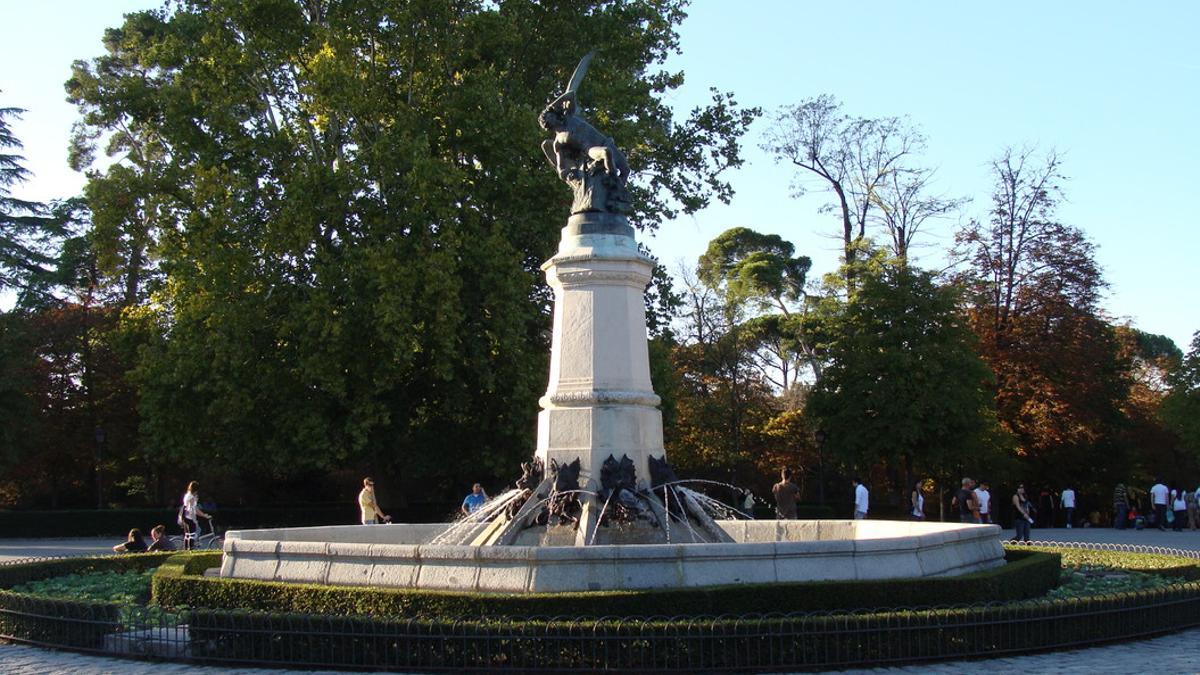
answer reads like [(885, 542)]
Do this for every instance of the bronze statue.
[(587, 160)]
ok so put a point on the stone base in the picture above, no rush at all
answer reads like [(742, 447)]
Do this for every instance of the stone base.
[(766, 551)]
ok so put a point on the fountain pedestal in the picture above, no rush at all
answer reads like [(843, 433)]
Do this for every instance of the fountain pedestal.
[(599, 401)]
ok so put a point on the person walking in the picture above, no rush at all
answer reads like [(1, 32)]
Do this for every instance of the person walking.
[(1189, 498), (189, 515), (917, 502), (1121, 506), (983, 497), (1179, 504), (861, 499), (475, 500), (1160, 497), (1067, 498), (1022, 519), (785, 492), (964, 502), (368, 506)]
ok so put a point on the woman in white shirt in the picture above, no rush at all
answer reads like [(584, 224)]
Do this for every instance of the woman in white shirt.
[(188, 514), (1179, 505)]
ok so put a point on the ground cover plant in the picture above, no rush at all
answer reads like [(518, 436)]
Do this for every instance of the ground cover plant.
[(129, 587)]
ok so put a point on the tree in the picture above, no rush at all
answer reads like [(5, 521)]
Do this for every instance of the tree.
[(1033, 284), (1181, 409), (762, 270), (329, 216), (865, 163), (28, 230), (905, 387)]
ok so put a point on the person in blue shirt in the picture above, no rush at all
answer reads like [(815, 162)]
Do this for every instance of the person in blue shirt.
[(476, 499)]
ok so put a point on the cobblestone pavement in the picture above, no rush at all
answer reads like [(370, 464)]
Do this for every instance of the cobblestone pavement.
[(1177, 653)]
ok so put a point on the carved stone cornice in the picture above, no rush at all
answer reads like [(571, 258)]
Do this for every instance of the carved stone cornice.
[(587, 397), (611, 277)]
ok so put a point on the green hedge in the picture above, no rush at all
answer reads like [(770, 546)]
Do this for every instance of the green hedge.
[(835, 640), (65, 623), (1028, 574)]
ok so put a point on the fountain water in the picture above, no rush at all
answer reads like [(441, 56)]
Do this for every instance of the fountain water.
[(599, 507)]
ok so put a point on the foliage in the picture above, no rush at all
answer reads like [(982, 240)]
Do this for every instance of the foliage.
[(904, 385), (1181, 408), (326, 219), (1033, 287), (129, 587), (29, 231)]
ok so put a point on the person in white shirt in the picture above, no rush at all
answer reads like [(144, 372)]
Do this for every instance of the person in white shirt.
[(1159, 496), (983, 497), (1068, 502), (860, 500), (917, 501)]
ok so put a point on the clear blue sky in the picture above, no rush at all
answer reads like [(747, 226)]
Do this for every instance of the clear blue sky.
[(1114, 86)]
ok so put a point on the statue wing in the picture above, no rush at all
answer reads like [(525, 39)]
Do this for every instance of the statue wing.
[(548, 150), (580, 71)]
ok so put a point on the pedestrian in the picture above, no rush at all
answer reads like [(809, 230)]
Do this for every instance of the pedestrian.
[(785, 492), (475, 500), (1179, 504), (189, 515), (861, 499), (1023, 518), (964, 502), (368, 505), (159, 541), (1068, 503), (1046, 506), (983, 497), (917, 502), (134, 543), (747, 503), (1159, 497), (1121, 505), (1189, 498)]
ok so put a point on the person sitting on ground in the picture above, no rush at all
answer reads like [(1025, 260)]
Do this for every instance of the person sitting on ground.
[(134, 543), (159, 541), (475, 500)]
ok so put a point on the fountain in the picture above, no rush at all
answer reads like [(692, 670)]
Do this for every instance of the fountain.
[(598, 507)]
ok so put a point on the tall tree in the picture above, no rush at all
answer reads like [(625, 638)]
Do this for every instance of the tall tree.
[(1034, 287), (1181, 409), (762, 270), (866, 163), (905, 387), (29, 232), (342, 206)]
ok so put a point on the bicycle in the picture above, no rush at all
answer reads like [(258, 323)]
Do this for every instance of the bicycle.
[(210, 541)]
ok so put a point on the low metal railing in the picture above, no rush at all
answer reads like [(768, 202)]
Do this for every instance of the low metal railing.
[(742, 643)]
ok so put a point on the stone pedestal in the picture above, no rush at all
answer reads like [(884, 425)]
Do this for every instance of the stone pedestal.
[(599, 401)]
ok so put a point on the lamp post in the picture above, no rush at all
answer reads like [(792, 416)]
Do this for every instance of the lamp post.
[(819, 437), (99, 467)]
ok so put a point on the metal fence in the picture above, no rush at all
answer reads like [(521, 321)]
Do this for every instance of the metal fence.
[(743, 643)]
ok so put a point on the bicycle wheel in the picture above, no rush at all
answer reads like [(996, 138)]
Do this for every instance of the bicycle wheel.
[(215, 544)]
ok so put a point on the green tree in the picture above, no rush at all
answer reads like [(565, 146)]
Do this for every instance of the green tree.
[(1181, 408), (904, 386), (29, 232), (329, 216)]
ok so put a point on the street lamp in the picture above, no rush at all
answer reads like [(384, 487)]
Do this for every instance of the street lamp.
[(819, 437)]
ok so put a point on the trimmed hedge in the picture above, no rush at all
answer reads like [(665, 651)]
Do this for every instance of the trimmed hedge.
[(697, 645), (65, 623), (1028, 574)]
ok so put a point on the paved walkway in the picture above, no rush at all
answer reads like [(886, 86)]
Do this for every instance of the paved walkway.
[(1175, 653)]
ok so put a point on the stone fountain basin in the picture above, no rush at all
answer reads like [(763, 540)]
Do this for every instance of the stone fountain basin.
[(767, 551)]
